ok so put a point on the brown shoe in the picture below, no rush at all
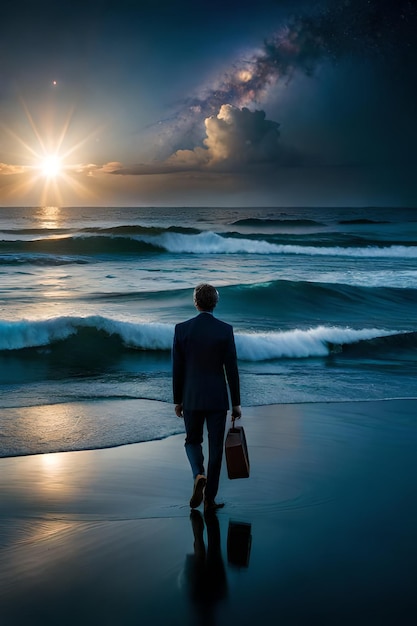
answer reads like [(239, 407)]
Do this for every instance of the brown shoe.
[(197, 497), (210, 506)]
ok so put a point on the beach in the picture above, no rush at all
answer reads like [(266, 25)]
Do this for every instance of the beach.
[(322, 532), (95, 523)]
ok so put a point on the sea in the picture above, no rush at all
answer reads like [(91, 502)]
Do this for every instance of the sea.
[(323, 303)]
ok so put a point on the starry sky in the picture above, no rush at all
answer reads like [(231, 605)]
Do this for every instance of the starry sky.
[(266, 103)]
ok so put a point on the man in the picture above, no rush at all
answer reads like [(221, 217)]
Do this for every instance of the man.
[(204, 364)]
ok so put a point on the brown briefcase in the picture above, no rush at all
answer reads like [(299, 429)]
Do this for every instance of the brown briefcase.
[(236, 451)]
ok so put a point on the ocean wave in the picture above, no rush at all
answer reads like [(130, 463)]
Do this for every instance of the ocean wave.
[(80, 244), (363, 221), (294, 300), (41, 259), (21, 334), (31, 234), (257, 221), (139, 241), (138, 230), (314, 342), (212, 243)]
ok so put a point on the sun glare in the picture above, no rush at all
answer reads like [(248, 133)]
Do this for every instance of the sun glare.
[(49, 160), (51, 166)]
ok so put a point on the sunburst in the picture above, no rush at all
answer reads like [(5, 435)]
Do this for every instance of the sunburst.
[(49, 164)]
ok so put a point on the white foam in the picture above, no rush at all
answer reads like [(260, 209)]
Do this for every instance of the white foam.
[(314, 342), (212, 243), (397, 278), (146, 336), (15, 335), (36, 333)]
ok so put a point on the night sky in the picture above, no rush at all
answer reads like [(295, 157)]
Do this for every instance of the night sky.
[(266, 103)]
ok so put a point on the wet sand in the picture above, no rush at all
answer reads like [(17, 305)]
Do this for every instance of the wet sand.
[(323, 532)]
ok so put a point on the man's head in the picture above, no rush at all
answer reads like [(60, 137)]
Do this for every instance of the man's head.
[(205, 297)]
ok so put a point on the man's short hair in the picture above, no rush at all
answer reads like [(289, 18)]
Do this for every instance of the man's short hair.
[(206, 297)]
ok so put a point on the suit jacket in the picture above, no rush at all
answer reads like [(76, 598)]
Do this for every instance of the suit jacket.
[(204, 363)]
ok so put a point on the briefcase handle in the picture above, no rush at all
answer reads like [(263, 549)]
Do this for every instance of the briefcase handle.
[(233, 428)]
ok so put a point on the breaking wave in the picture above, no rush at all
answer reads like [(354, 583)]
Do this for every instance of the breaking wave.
[(212, 243), (314, 342), (142, 241)]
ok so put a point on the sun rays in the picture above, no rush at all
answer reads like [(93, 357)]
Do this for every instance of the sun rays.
[(48, 160)]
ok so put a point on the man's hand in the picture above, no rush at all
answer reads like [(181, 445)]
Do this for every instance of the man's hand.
[(236, 412), (178, 410)]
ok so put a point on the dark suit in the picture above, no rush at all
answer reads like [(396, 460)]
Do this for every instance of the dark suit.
[(204, 350), (204, 364)]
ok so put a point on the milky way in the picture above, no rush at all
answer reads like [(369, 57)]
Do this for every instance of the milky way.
[(383, 31), (374, 30)]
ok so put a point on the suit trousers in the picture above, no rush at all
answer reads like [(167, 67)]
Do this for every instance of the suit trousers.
[(216, 424)]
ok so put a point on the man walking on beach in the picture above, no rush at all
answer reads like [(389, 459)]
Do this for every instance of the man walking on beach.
[(204, 364)]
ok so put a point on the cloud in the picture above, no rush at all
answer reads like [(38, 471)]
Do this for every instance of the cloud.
[(241, 136), (9, 170), (110, 167), (235, 139), (90, 169)]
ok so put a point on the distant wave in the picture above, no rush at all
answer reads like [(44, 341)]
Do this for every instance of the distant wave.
[(44, 233), (134, 243), (212, 243), (362, 220), (80, 244), (138, 230), (256, 221), (314, 342)]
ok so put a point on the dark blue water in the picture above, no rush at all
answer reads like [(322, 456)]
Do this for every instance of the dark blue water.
[(322, 302)]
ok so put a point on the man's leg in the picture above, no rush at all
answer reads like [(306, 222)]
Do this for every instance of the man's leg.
[(194, 422), (216, 424)]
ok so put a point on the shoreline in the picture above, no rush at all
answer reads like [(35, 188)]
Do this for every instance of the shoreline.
[(106, 535), (65, 414)]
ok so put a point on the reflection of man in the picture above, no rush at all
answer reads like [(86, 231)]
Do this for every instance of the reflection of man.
[(204, 363), (204, 570)]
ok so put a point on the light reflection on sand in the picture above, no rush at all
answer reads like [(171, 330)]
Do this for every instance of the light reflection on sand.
[(45, 424), (52, 475)]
